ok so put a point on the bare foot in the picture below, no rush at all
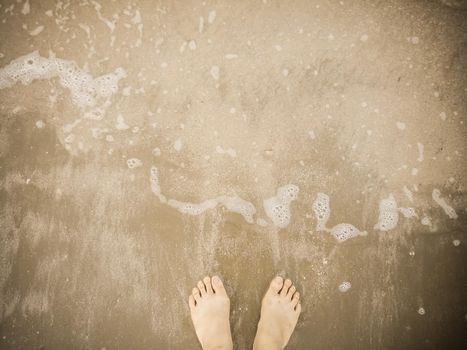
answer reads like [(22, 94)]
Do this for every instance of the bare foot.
[(279, 315), (210, 308)]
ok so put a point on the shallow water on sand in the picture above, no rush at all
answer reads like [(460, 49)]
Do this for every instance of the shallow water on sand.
[(146, 144)]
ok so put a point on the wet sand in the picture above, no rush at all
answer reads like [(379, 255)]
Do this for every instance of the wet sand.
[(230, 101)]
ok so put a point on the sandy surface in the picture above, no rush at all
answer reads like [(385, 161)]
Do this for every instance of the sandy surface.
[(158, 156)]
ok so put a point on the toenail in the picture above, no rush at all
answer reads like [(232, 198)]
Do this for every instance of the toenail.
[(278, 279), (216, 280)]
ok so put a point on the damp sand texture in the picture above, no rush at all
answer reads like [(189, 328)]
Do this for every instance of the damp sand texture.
[(147, 144)]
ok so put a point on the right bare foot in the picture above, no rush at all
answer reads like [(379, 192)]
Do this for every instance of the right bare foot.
[(210, 308), (279, 315)]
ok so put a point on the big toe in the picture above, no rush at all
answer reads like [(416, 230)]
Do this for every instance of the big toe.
[(218, 286), (276, 285)]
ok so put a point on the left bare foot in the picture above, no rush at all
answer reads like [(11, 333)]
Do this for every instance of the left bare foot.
[(210, 309)]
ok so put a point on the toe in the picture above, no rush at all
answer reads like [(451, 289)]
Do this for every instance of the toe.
[(298, 308), (191, 302), (207, 283), (291, 292), (218, 286), (202, 288), (296, 299), (286, 287), (276, 285), (196, 294)]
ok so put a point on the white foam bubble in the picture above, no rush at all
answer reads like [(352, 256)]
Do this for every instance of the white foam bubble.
[(178, 144), (321, 210), (26, 8), (155, 186), (98, 133), (192, 208), (340, 232), (154, 178), (238, 205), (211, 16), (121, 125), (85, 90), (215, 72), (201, 24), (436, 194), (426, 221), (408, 212), (408, 193), (70, 126), (156, 151), (420, 152), (343, 232), (192, 45), (344, 286), (233, 204), (40, 124), (388, 214), (134, 163), (277, 208), (36, 31), (137, 18), (70, 138), (230, 151)]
